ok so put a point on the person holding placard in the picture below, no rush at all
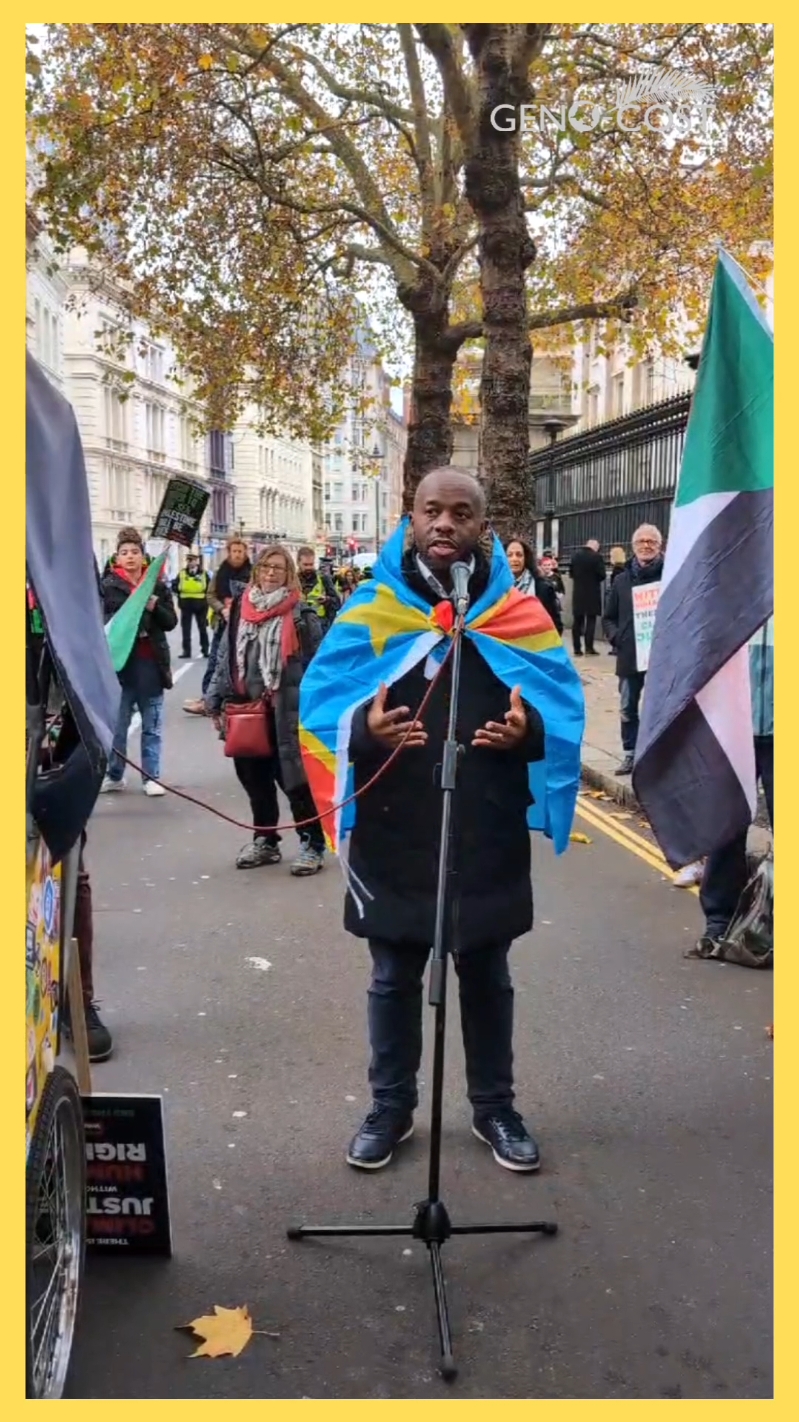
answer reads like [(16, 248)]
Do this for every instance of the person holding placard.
[(628, 621)]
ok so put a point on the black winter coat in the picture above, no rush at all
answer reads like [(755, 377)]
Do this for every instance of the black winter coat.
[(394, 846), (286, 701), (618, 619), (587, 572), (548, 597), (154, 626)]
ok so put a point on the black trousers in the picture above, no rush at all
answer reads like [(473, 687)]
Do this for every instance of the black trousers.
[(726, 872), (583, 623), (189, 612), (395, 1023), (261, 777)]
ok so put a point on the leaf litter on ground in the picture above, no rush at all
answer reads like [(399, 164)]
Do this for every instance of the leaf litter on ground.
[(579, 838), (225, 1332)]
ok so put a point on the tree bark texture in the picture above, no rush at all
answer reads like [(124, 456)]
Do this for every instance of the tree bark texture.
[(505, 251), (429, 425)]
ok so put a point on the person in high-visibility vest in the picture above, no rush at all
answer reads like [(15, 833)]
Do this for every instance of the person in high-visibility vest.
[(317, 588), (191, 586)]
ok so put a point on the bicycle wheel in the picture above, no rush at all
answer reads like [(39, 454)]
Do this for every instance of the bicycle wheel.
[(55, 1236)]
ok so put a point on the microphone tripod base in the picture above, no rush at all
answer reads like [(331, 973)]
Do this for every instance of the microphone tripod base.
[(431, 1226)]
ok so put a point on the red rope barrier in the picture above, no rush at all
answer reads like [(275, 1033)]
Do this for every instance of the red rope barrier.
[(315, 819)]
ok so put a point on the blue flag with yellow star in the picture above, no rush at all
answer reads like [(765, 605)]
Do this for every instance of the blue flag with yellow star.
[(386, 628)]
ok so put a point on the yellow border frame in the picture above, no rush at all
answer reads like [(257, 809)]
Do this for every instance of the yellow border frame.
[(11, 1068)]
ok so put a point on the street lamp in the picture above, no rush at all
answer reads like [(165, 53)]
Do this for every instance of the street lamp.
[(377, 460)]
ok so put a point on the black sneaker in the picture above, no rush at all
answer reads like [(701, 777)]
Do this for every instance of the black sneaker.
[(505, 1132), (626, 767), (383, 1130), (185, 657), (101, 1043)]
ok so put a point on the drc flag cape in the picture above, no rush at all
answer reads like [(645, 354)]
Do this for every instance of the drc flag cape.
[(386, 628)]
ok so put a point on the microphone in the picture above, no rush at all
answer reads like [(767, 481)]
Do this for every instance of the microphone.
[(459, 572)]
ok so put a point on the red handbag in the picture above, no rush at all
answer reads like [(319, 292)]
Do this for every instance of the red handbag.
[(247, 729)]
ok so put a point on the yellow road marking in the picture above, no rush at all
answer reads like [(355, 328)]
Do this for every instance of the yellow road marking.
[(628, 839)]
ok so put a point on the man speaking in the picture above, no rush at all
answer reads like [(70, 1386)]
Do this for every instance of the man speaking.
[(521, 715)]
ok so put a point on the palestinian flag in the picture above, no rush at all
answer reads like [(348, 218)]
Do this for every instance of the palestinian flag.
[(694, 769)]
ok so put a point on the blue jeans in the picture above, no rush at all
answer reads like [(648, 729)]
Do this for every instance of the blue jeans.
[(630, 688), (151, 710), (726, 870), (210, 666), (395, 1023)]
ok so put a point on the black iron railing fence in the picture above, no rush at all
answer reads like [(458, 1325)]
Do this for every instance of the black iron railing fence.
[(604, 483)]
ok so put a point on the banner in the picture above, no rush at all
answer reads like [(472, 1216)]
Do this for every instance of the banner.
[(123, 628), (645, 602)]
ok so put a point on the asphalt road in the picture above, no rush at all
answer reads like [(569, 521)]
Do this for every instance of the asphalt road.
[(646, 1078)]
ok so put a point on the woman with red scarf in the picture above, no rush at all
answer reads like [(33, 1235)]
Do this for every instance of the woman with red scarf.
[(270, 638), (147, 673)]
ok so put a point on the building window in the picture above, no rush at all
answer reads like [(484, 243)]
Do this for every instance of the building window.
[(46, 336), (649, 384), (114, 417), (119, 492), (220, 454), (338, 490), (593, 404), (154, 420), (327, 522), (338, 523), (327, 491), (154, 363), (617, 395)]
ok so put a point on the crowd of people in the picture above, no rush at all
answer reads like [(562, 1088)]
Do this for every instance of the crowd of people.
[(260, 623)]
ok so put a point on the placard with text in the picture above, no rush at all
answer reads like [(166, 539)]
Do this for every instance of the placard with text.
[(127, 1188)]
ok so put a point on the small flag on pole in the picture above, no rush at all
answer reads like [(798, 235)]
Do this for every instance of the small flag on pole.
[(694, 770)]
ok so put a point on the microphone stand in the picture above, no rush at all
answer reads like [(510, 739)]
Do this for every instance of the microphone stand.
[(431, 1223)]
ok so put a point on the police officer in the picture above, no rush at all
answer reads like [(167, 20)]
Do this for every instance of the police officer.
[(191, 586), (318, 589)]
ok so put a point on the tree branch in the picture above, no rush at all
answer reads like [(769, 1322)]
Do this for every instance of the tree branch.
[(373, 97), (422, 150), (620, 305), (374, 211), (457, 93)]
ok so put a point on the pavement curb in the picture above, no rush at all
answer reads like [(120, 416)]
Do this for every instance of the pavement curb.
[(760, 838), (622, 793)]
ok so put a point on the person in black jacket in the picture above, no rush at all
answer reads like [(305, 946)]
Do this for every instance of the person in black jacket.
[(645, 566), (587, 572), (530, 580), (147, 672), (394, 850)]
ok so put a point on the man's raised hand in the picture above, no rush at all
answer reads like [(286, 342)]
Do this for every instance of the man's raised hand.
[(391, 727), (510, 735)]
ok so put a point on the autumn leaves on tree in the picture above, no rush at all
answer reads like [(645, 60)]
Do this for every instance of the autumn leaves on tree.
[(260, 190)]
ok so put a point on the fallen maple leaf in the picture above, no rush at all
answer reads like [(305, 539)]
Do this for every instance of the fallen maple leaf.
[(579, 839), (770, 1030), (226, 1332)]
